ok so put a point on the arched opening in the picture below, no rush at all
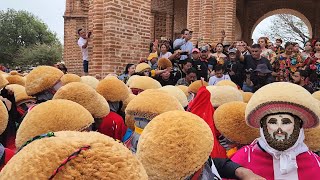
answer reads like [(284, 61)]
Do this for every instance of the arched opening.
[(238, 34), (267, 20)]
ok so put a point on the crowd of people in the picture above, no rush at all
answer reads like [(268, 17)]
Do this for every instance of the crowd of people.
[(250, 67), (186, 112)]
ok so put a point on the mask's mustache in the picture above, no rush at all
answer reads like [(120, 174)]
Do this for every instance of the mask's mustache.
[(281, 132)]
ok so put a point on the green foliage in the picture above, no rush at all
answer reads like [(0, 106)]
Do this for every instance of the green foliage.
[(22, 30), (39, 54)]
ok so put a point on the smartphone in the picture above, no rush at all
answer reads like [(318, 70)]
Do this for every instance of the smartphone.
[(89, 34), (184, 53)]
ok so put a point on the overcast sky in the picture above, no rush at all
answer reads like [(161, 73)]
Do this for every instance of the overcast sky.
[(49, 11)]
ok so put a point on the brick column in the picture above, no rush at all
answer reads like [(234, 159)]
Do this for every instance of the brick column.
[(169, 26), (125, 34), (206, 22), (193, 18), (224, 19)]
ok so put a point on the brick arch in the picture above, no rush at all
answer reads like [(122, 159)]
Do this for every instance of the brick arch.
[(284, 11)]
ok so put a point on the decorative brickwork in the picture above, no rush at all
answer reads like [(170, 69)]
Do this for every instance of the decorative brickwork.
[(123, 29)]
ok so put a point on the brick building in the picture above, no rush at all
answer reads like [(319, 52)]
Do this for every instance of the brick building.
[(123, 29)]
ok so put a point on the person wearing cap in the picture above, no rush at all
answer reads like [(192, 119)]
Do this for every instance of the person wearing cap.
[(234, 68), (152, 60), (262, 77), (281, 117), (184, 43), (205, 64)]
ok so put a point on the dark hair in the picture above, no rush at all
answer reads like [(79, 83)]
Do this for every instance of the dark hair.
[(62, 67), (184, 31), (218, 44), (166, 45), (219, 68), (191, 70), (186, 61), (279, 40), (294, 43), (126, 70), (256, 46), (288, 44), (303, 73), (79, 31)]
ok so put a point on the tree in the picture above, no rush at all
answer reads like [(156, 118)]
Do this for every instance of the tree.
[(21, 29), (39, 54), (289, 28)]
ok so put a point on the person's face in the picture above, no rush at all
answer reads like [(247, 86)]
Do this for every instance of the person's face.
[(83, 34), (204, 54), (262, 42), (296, 48), (146, 72), (163, 49), (187, 66), (232, 56), (165, 75), (308, 47), (219, 48), (296, 78), (317, 46), (153, 60), (280, 127), (131, 69), (187, 35), (242, 46), (270, 45), (256, 52), (191, 77), (219, 74), (278, 43), (289, 49), (195, 55)]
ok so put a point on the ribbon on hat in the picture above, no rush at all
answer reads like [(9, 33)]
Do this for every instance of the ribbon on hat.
[(49, 134), (69, 158)]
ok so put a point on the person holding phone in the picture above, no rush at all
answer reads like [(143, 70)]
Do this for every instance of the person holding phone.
[(184, 44), (83, 44)]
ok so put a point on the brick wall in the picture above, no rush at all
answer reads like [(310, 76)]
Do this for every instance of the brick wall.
[(180, 16), (162, 11)]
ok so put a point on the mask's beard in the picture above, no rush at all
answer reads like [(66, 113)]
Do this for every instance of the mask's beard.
[(287, 142)]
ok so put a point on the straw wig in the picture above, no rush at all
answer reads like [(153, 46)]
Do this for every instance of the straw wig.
[(3, 81), (184, 89), (42, 78), (151, 103), (164, 63), (223, 94), (174, 145), (283, 97), (68, 78), (229, 119), (3, 117), (90, 80), (177, 93), (86, 96), (227, 83), (15, 78), (112, 89), (142, 67), (95, 156), (143, 83), (246, 96), (196, 85), (53, 115), (19, 92)]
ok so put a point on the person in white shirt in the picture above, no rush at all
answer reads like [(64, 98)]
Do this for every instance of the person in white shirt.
[(219, 75), (164, 53), (83, 44)]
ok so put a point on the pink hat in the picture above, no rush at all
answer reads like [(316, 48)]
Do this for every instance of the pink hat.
[(195, 50)]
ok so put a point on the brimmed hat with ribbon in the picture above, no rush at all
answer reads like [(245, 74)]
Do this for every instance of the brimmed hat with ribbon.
[(262, 68), (283, 97)]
